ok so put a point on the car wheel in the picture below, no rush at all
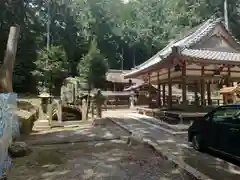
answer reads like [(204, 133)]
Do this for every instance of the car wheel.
[(196, 142)]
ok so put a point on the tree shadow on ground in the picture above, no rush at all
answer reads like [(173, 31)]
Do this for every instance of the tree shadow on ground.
[(85, 133), (99, 160)]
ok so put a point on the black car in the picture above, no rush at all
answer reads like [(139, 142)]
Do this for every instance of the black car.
[(219, 130)]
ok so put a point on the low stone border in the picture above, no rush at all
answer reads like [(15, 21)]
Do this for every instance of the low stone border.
[(149, 143)]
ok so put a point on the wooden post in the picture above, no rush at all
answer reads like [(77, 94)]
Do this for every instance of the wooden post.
[(209, 93), (160, 95), (184, 84), (202, 86), (9, 60), (114, 87), (196, 93), (229, 76), (159, 103), (164, 95), (169, 89), (149, 91)]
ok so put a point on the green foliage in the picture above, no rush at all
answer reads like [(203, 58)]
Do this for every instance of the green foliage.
[(50, 65), (93, 66)]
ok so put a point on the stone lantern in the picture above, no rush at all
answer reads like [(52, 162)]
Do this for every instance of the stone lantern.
[(46, 99)]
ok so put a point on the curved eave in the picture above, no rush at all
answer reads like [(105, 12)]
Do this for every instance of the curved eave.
[(153, 67), (144, 67), (214, 57)]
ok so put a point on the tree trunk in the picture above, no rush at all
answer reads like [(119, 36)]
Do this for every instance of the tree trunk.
[(6, 69)]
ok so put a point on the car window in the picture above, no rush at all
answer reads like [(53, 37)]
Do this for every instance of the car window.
[(226, 114)]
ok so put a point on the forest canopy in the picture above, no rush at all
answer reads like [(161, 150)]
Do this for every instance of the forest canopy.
[(121, 31)]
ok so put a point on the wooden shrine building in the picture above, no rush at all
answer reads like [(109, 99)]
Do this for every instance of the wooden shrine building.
[(207, 57), (115, 80)]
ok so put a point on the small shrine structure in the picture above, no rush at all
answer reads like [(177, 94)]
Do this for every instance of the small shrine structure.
[(230, 94), (205, 59), (115, 80), (144, 93)]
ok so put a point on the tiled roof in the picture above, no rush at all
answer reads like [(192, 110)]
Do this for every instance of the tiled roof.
[(211, 55), (117, 76), (192, 38)]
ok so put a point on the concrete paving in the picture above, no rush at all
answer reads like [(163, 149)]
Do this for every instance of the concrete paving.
[(177, 148)]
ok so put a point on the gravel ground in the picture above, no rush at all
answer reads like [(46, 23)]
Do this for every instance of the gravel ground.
[(109, 160)]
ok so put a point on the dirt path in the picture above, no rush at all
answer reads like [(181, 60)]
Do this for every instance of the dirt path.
[(92, 159), (97, 160)]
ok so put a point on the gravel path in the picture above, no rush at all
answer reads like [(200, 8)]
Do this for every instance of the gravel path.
[(112, 160)]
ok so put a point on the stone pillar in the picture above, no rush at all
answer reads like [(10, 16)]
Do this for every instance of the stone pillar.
[(84, 110), (59, 111)]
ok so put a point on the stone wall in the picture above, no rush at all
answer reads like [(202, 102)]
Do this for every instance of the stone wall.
[(9, 127)]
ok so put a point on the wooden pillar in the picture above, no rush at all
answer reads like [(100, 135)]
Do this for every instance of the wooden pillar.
[(149, 90), (114, 87), (209, 93), (221, 83), (159, 103), (169, 89), (164, 94), (196, 93), (229, 76), (184, 84), (202, 82)]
